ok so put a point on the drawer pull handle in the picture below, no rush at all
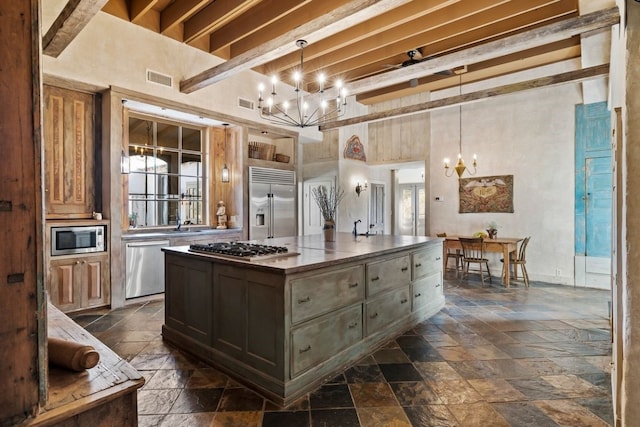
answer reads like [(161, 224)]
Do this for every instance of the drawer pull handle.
[(353, 285), (438, 259), (353, 325), (303, 300), (373, 279), (403, 301), (404, 268), (417, 295), (438, 285), (418, 265), (304, 350), (374, 315)]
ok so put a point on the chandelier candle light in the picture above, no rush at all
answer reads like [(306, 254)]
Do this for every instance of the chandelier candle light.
[(460, 167), (302, 114)]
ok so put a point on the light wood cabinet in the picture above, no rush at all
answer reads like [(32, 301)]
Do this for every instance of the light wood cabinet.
[(78, 282), (70, 147)]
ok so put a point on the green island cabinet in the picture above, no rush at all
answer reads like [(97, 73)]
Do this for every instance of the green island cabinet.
[(283, 326)]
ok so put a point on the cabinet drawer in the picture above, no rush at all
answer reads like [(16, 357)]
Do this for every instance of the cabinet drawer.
[(426, 262), (388, 274), (322, 339), (386, 309), (426, 290), (313, 296)]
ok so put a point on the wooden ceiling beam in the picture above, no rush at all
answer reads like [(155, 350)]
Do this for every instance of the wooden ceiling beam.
[(454, 37), (265, 13), (215, 14), (179, 11), (385, 44), (281, 26), (519, 61), (138, 8), (487, 23), (401, 16), (75, 15), (602, 19), (350, 14), (467, 98)]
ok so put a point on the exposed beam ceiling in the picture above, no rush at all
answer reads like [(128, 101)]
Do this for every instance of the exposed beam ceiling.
[(75, 15), (467, 98), (366, 42)]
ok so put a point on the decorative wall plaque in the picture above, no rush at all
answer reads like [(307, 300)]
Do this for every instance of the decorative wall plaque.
[(354, 149), (486, 194)]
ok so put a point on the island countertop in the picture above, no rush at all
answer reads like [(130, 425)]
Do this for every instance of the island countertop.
[(314, 252)]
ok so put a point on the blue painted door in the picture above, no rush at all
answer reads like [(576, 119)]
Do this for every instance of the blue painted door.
[(593, 181), (598, 207)]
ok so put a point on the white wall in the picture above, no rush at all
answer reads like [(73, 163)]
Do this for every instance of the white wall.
[(529, 135)]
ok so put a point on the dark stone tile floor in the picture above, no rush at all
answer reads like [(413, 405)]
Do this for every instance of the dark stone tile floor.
[(535, 356)]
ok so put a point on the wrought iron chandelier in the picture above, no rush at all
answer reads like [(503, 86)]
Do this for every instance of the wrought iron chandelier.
[(460, 167), (300, 112)]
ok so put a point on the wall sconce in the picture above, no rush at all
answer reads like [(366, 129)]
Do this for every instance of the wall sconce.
[(225, 170), (360, 188), (225, 173)]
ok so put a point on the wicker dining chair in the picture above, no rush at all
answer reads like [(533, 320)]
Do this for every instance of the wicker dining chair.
[(519, 260), (473, 253), (452, 253)]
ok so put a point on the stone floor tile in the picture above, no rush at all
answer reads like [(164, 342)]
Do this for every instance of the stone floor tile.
[(430, 416), (570, 413), (386, 416), (478, 414), (372, 395), (239, 419)]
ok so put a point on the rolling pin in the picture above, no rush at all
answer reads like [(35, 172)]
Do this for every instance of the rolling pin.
[(72, 355)]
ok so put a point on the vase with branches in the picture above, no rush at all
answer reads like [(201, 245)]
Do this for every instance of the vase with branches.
[(327, 201)]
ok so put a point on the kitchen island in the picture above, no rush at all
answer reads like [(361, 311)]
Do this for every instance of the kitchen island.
[(283, 325)]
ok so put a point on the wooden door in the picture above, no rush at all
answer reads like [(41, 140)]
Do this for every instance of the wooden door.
[(70, 148), (593, 196)]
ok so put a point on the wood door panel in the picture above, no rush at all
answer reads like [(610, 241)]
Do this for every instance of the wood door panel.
[(69, 153)]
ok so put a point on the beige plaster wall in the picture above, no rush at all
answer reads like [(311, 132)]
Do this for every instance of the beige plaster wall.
[(113, 52), (529, 135)]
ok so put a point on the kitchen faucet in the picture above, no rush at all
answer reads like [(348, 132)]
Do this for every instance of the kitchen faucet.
[(355, 227)]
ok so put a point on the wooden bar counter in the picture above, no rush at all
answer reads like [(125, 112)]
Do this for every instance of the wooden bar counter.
[(283, 326)]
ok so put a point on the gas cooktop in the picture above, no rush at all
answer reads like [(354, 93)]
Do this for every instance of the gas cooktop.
[(242, 250)]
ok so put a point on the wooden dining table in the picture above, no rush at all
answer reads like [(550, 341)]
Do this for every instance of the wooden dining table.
[(503, 245)]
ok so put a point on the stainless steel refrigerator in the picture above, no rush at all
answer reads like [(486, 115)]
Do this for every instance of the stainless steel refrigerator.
[(272, 203)]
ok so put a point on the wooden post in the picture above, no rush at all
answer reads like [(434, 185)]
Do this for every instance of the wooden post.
[(21, 294)]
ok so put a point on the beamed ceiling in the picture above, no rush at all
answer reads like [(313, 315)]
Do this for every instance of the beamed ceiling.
[(364, 43)]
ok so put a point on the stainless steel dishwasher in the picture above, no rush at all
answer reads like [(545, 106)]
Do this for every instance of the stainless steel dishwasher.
[(145, 268)]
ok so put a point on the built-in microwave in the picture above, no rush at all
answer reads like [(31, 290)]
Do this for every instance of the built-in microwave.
[(80, 239)]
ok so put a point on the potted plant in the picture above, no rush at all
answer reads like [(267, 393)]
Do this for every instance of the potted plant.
[(327, 201), (492, 230)]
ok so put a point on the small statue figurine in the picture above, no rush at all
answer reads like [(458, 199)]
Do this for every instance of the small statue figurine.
[(222, 215)]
